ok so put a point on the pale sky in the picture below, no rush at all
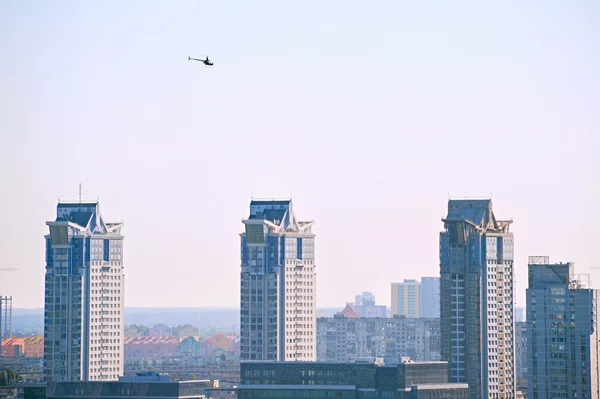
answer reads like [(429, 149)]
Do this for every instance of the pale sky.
[(370, 114)]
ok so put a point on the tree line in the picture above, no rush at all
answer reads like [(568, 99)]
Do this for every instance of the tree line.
[(8, 376)]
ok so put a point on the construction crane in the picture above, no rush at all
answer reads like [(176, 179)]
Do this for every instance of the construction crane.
[(6, 269)]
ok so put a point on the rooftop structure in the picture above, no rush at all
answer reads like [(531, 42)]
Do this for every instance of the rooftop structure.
[(368, 379), (152, 387)]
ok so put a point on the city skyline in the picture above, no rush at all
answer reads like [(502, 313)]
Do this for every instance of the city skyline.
[(338, 302), (368, 115)]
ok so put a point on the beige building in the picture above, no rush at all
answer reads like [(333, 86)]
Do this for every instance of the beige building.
[(406, 299)]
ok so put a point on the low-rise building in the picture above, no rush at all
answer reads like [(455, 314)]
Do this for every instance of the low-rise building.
[(521, 350), (160, 330), (136, 331), (220, 341), (144, 385), (344, 339), (32, 346), (368, 379), (150, 348), (186, 330), (189, 346)]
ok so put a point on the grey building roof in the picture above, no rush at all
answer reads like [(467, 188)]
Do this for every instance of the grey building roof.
[(270, 202), (80, 218), (473, 210), (77, 204), (272, 215)]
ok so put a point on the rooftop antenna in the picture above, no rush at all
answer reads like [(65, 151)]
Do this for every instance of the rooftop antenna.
[(80, 193)]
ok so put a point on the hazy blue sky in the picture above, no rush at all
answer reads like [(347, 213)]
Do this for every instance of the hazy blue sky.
[(369, 113)]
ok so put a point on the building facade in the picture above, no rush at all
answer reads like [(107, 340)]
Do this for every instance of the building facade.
[(83, 319), (406, 299), (358, 380), (278, 284), (5, 317), (429, 298), (160, 330), (346, 339), (519, 314), (31, 346), (521, 350), (186, 330), (151, 385), (149, 348), (476, 297), (562, 333), (136, 331)]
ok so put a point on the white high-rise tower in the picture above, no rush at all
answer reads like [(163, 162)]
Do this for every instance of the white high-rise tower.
[(83, 320), (278, 285)]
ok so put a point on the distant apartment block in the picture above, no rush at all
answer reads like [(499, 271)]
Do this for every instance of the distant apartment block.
[(345, 338), (278, 284), (562, 332), (150, 348), (429, 298), (5, 316), (83, 315), (186, 330), (476, 297), (521, 350), (406, 299), (136, 331), (366, 306), (160, 330)]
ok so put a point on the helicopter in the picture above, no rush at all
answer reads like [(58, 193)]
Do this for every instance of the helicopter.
[(206, 62)]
